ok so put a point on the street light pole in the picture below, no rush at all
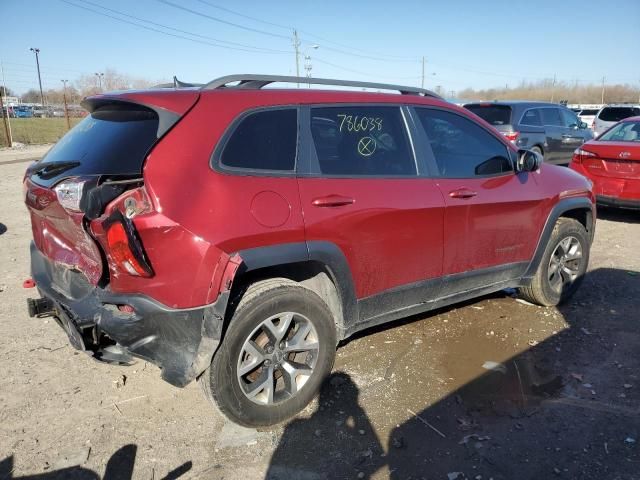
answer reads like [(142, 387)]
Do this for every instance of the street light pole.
[(37, 52), (64, 96)]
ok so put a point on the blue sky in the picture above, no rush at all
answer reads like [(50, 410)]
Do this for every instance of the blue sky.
[(466, 43)]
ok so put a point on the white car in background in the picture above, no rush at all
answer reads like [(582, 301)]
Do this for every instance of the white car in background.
[(609, 115), (588, 115)]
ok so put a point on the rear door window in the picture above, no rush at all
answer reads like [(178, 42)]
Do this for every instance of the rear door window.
[(111, 140), (263, 140), (493, 114), (361, 141), (532, 118), (461, 148), (551, 117), (615, 114)]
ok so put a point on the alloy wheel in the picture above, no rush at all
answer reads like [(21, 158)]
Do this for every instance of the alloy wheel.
[(565, 263), (278, 358)]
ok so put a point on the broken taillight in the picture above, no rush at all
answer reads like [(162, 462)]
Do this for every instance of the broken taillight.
[(69, 193), (124, 248)]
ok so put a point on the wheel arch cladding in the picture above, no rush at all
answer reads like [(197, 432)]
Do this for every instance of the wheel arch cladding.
[(318, 265), (581, 209)]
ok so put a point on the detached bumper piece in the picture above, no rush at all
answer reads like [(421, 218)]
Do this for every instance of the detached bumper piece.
[(116, 328)]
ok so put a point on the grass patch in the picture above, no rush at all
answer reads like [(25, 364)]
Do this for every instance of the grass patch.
[(37, 130)]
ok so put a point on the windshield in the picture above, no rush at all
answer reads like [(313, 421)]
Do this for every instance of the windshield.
[(492, 114), (615, 114), (623, 132)]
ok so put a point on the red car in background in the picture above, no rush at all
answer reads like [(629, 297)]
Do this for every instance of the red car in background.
[(612, 163)]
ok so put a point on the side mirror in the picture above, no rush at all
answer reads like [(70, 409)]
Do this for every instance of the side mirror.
[(583, 125), (528, 161)]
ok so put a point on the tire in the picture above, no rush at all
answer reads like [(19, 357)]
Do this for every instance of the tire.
[(543, 290), (264, 306), (538, 150)]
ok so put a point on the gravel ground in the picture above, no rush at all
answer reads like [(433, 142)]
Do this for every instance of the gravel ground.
[(494, 388)]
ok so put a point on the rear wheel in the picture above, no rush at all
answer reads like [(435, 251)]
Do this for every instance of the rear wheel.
[(538, 150), (279, 347), (563, 265)]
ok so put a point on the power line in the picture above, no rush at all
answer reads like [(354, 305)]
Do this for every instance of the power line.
[(263, 49), (161, 31), (215, 19), (248, 17)]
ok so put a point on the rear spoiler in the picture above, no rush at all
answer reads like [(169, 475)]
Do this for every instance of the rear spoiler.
[(168, 115)]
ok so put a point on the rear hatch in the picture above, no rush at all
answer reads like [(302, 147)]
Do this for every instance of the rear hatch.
[(496, 115), (107, 148)]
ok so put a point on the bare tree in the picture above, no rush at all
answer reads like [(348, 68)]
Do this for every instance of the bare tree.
[(547, 89)]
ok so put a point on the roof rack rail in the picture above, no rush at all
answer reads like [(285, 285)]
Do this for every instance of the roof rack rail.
[(258, 81)]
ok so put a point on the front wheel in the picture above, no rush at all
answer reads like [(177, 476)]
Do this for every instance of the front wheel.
[(563, 265), (279, 347)]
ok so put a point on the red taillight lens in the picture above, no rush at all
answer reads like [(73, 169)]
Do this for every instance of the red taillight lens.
[(512, 136), (125, 251), (579, 155)]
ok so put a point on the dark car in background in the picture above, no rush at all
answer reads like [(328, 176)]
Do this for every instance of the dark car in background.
[(550, 129)]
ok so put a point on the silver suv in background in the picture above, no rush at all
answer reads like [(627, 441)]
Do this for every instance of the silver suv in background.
[(609, 115)]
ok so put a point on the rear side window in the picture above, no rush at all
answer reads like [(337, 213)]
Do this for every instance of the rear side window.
[(551, 116), (493, 114), (461, 148), (361, 140), (531, 117), (587, 112), (263, 140), (111, 140), (615, 114)]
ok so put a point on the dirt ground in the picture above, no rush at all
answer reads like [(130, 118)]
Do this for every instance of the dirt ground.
[(494, 388)]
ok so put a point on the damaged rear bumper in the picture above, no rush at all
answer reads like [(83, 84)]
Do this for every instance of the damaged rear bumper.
[(180, 341)]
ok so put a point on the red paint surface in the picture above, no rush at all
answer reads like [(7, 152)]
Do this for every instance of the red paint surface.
[(394, 232), (612, 175)]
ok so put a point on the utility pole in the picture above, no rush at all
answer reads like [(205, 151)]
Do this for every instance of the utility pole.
[(602, 97), (37, 52), (553, 87), (64, 96), (99, 75), (5, 118), (422, 82), (296, 46)]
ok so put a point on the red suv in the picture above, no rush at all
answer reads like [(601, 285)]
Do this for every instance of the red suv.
[(236, 234)]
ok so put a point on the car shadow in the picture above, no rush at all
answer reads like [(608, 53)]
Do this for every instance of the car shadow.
[(618, 214), (119, 467), (567, 407)]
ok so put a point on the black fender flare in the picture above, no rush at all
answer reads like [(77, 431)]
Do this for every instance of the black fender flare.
[(563, 206), (326, 253)]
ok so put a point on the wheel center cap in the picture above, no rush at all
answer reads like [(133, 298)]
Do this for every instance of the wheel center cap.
[(277, 356)]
